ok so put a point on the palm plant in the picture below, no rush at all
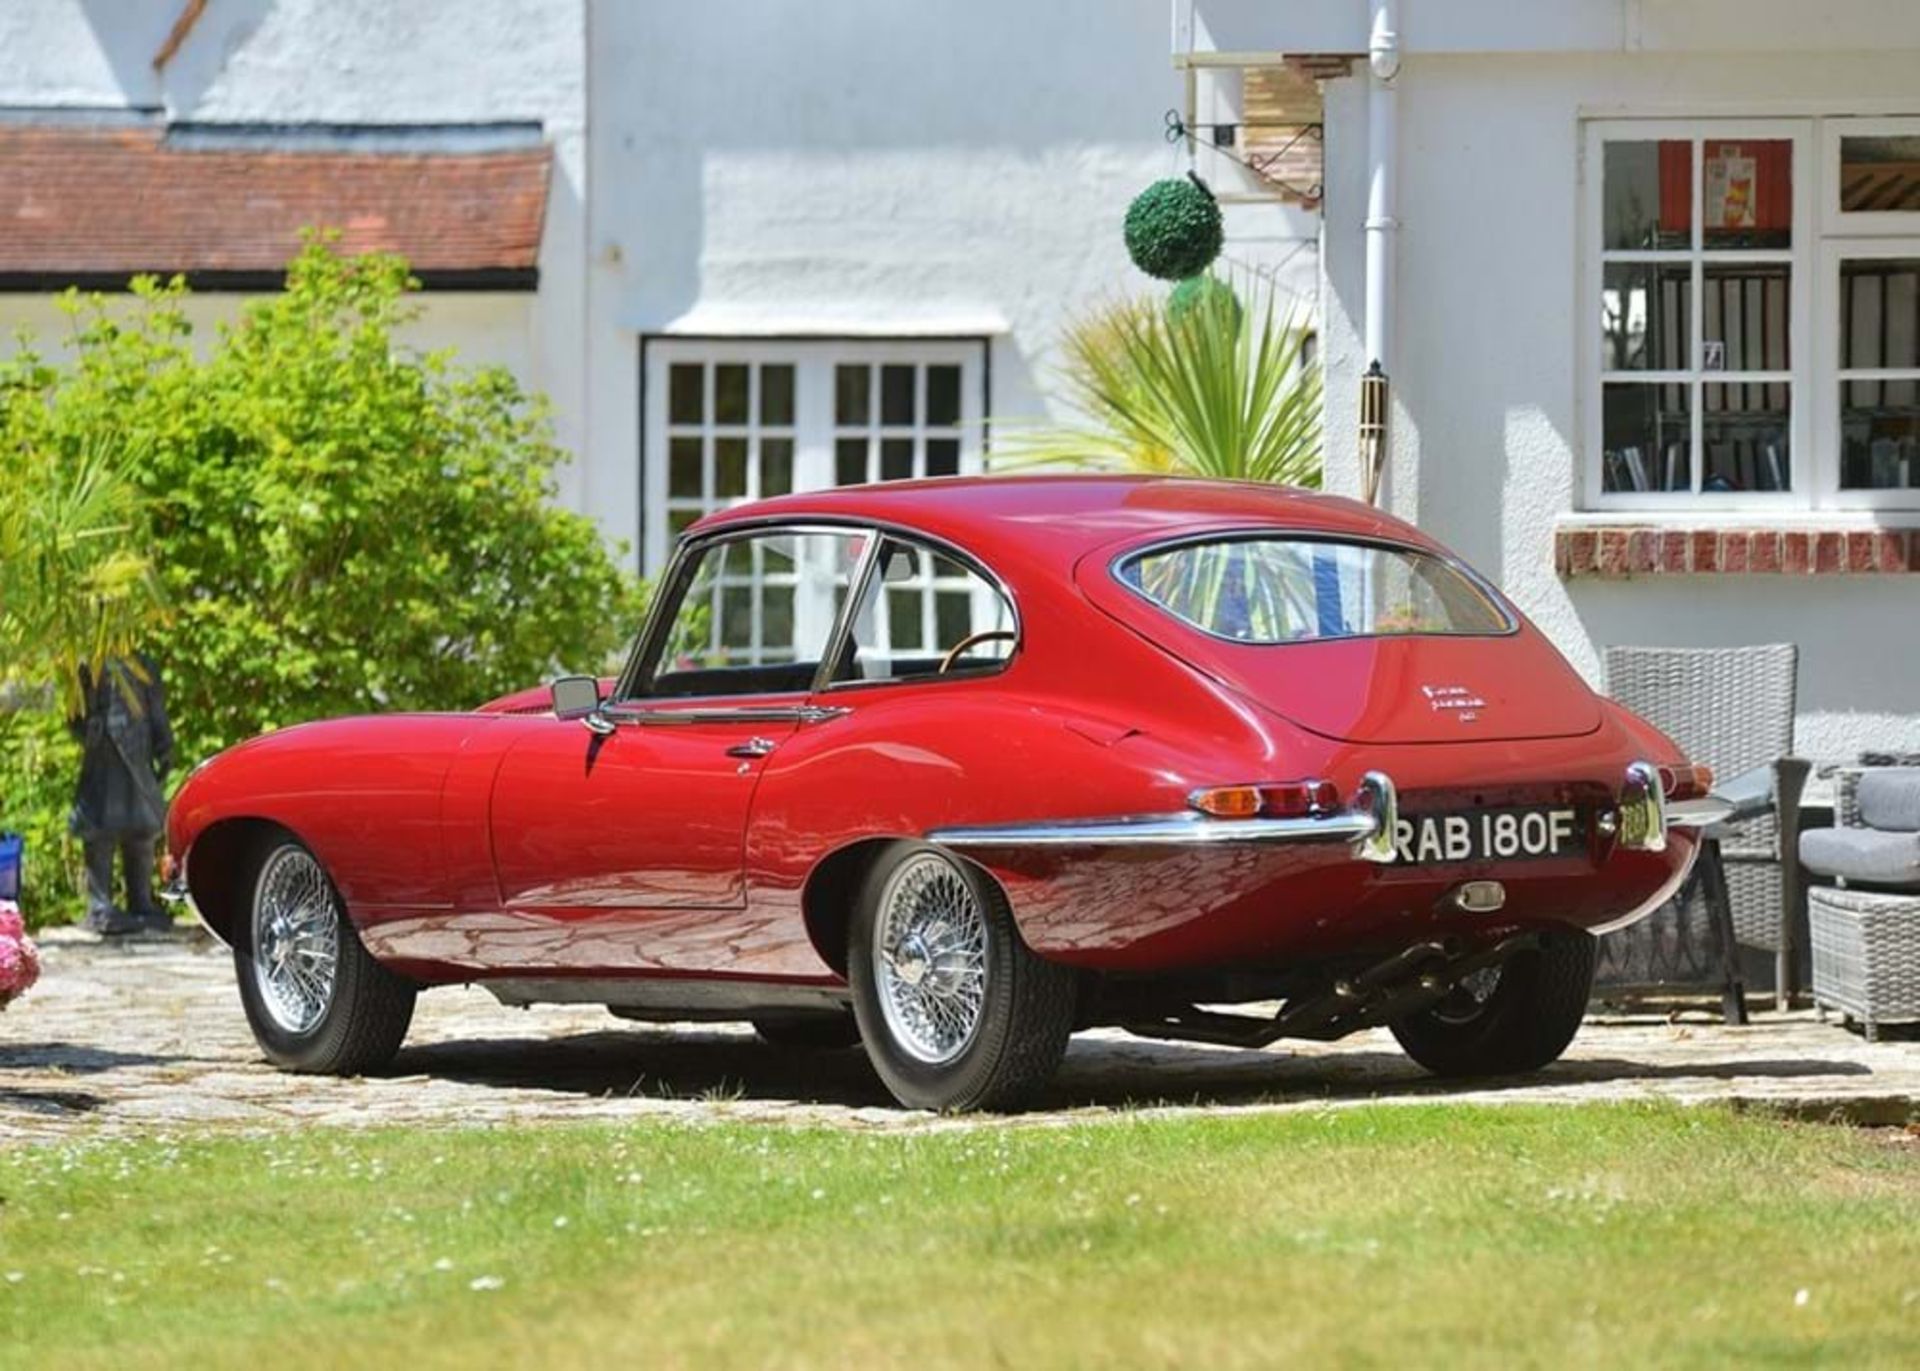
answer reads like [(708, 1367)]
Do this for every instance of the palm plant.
[(75, 584), (1208, 389)]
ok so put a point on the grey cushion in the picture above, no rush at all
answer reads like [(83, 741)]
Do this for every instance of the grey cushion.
[(1889, 798), (1862, 854)]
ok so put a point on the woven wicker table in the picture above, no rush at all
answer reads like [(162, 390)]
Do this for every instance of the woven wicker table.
[(1866, 954)]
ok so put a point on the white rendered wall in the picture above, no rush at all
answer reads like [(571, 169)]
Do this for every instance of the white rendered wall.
[(790, 167), (350, 62), (1487, 420)]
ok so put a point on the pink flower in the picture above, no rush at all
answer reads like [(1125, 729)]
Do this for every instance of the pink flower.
[(19, 960)]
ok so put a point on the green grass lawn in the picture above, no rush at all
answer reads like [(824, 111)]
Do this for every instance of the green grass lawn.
[(1364, 1237)]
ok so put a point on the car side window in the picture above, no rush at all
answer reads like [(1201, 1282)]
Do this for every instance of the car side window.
[(926, 613), (754, 614)]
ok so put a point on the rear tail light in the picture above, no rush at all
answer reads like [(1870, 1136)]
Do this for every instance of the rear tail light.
[(1279, 800), (1686, 782)]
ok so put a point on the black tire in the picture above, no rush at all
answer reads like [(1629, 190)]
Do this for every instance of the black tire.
[(365, 1014), (1526, 1021), (809, 1032), (1025, 1012)]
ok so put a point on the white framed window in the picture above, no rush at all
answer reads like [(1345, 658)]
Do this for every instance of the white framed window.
[(1697, 395), (731, 420), (1758, 284)]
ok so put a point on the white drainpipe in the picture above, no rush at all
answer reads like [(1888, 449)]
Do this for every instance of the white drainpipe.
[(1383, 119)]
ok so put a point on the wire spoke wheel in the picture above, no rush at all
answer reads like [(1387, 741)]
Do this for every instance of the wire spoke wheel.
[(930, 959), (296, 940)]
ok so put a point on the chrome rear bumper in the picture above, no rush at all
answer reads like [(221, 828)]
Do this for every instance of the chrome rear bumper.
[(1369, 824)]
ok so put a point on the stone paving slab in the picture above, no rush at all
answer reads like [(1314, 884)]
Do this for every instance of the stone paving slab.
[(146, 1036)]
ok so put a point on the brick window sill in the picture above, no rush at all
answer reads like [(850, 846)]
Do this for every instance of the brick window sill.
[(1628, 551)]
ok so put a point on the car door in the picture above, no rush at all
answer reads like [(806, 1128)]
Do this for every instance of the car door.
[(650, 814)]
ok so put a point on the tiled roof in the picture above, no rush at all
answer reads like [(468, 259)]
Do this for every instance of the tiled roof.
[(95, 205)]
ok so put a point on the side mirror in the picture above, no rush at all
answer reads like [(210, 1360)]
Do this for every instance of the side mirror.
[(578, 697)]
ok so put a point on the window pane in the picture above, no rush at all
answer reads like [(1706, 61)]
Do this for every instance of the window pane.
[(943, 456), (1746, 194), (1880, 312), (1745, 311), (896, 459), (776, 395), (729, 468), (849, 461), (683, 393), (776, 618), (1278, 590), (1879, 435), (1880, 174), (903, 618), (776, 466), (1643, 312), (736, 631), (952, 617), (1647, 195), (680, 520), (896, 395), (852, 402), (1645, 433), (736, 617), (943, 395), (730, 394), (1744, 432), (683, 468)]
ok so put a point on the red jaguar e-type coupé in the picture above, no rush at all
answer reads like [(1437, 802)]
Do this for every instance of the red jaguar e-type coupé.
[(954, 768)]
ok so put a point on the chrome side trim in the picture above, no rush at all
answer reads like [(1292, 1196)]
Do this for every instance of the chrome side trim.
[(1159, 830), (743, 714)]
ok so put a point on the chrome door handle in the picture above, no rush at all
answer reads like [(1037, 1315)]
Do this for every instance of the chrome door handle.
[(752, 747)]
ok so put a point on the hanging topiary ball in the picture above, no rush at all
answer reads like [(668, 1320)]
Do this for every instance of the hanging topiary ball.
[(1173, 228), (1202, 292)]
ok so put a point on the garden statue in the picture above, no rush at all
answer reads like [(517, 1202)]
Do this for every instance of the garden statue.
[(127, 746)]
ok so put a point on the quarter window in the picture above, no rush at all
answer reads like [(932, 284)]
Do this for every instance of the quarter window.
[(926, 612)]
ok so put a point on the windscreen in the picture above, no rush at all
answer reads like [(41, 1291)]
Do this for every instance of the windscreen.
[(1290, 590)]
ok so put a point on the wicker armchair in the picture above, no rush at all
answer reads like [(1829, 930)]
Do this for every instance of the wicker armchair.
[(1733, 709), (1866, 925)]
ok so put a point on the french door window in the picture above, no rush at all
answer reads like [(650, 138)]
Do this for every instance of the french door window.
[(730, 420), (1758, 293)]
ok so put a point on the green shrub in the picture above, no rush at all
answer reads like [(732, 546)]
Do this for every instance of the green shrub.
[(340, 524), (38, 763)]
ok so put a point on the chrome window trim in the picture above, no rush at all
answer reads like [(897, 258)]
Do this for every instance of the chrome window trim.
[(630, 679), (742, 714), (1116, 568)]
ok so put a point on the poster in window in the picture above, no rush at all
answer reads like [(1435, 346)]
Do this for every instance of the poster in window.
[(1729, 200)]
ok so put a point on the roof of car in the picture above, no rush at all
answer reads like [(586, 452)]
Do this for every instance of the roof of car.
[(1060, 518)]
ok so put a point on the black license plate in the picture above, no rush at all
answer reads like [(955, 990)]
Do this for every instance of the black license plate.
[(1491, 835)]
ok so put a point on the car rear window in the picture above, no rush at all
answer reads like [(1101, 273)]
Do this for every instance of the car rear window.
[(1289, 590)]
